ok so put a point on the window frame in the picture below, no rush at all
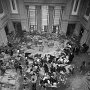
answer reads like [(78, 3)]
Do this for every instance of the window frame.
[(44, 24), (74, 4), (57, 9), (34, 26), (16, 9), (2, 14), (56, 28), (85, 16)]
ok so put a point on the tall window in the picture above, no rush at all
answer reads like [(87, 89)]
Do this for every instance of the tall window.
[(75, 8), (51, 19), (57, 18), (32, 18), (57, 15), (45, 18), (1, 9), (87, 13), (13, 5)]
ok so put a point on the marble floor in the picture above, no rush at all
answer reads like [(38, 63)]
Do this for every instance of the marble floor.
[(77, 81), (80, 80)]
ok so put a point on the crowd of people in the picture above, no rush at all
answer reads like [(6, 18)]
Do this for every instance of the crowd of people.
[(49, 69)]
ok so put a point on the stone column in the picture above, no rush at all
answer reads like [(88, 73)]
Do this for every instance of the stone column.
[(77, 29), (23, 15), (88, 34), (84, 37), (10, 26), (51, 20), (65, 16), (38, 9)]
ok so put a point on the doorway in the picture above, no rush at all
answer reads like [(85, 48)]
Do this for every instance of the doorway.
[(6, 30), (70, 29), (18, 28), (81, 32)]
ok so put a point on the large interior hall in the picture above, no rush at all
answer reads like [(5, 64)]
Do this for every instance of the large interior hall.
[(44, 44)]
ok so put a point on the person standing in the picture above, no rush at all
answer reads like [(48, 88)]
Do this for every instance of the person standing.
[(83, 67), (33, 80), (71, 56)]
